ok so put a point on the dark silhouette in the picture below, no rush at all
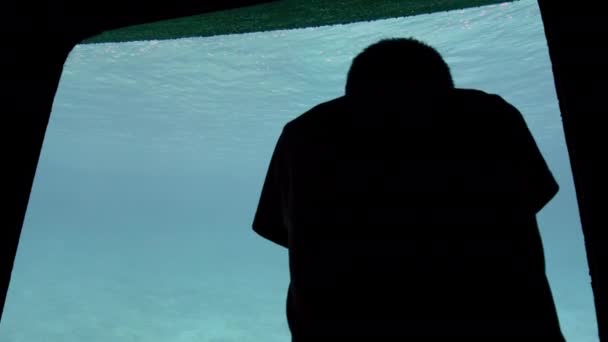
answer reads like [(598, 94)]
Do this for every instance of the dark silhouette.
[(574, 55), (409, 209)]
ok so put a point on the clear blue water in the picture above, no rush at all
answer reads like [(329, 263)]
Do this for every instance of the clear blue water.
[(139, 223)]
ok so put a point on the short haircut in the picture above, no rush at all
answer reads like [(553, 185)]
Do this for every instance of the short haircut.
[(393, 65)]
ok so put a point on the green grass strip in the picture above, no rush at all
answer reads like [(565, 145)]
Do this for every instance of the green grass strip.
[(284, 14)]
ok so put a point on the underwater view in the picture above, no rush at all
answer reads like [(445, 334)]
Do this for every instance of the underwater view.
[(139, 221)]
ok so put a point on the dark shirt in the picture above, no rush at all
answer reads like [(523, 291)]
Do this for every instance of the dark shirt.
[(416, 219)]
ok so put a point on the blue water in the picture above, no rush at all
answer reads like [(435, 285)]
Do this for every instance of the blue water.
[(139, 223)]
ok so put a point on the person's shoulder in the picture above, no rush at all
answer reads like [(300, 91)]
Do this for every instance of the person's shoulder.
[(474, 94), (481, 101), (482, 96), (318, 115)]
